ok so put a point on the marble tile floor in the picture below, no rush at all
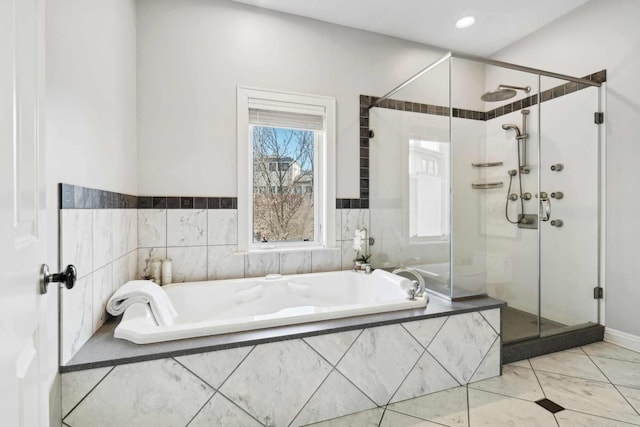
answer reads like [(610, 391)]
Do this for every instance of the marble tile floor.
[(598, 385)]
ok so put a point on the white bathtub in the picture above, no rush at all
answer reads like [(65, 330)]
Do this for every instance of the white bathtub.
[(223, 306)]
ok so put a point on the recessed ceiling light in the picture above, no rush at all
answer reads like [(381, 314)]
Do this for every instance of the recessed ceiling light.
[(466, 22)]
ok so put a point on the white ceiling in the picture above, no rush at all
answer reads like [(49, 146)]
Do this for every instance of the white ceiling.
[(498, 22)]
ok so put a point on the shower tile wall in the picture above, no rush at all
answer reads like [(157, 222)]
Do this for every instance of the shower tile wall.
[(342, 373)]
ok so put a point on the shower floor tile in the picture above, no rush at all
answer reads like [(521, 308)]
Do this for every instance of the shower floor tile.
[(518, 324), (511, 399)]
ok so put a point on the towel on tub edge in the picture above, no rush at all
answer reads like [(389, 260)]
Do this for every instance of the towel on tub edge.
[(146, 292)]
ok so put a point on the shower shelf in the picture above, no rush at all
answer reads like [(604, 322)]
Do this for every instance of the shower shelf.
[(486, 185), (486, 165)]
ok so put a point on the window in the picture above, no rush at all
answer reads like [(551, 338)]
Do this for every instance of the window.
[(286, 184), (428, 189)]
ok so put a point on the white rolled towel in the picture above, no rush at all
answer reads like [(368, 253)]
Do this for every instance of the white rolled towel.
[(146, 292)]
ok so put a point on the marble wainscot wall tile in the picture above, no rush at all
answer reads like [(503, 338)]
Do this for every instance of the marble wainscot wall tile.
[(268, 385), (102, 291), (490, 366), (221, 412), (334, 398), (379, 360), (462, 343), (353, 219), (222, 227), (77, 321), (333, 346), (189, 264), (425, 330), (76, 229), (223, 262), (102, 237), (156, 393), (428, 376), (260, 264), (186, 227), (326, 260), (120, 232), (145, 255), (338, 225), (152, 228), (493, 317), (215, 367), (298, 262), (75, 385), (131, 229), (125, 268), (348, 255)]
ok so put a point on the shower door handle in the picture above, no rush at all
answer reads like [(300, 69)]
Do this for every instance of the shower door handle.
[(545, 207)]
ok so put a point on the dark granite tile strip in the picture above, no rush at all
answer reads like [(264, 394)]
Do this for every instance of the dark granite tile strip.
[(77, 197), (159, 202), (200, 203), (66, 193), (546, 95), (145, 202), (173, 202)]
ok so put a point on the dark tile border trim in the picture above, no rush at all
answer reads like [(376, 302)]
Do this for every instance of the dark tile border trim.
[(366, 103), (78, 197), (547, 95), (541, 346)]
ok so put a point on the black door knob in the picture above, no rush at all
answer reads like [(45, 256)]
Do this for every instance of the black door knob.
[(68, 277)]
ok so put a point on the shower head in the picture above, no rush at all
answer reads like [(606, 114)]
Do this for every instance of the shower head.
[(503, 93), (498, 95), (508, 126)]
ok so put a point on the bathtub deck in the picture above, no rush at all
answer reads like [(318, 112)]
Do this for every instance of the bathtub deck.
[(103, 349)]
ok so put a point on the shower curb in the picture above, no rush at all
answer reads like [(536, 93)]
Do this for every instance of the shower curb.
[(545, 345)]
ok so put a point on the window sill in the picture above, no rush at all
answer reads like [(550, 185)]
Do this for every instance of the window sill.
[(285, 249)]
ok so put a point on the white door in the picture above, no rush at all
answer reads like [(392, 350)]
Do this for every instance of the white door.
[(24, 347)]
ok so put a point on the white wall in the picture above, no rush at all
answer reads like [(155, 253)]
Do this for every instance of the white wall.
[(604, 34), (90, 109), (192, 54)]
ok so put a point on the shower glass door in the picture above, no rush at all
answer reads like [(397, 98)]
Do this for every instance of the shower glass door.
[(496, 170), (485, 179), (570, 182)]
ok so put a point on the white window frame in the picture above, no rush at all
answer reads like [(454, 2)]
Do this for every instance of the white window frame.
[(325, 161)]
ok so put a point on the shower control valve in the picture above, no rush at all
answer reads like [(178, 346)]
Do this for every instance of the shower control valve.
[(557, 195), (513, 197), (557, 167), (526, 196), (557, 222)]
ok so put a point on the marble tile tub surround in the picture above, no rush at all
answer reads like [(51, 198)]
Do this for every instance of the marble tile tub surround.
[(293, 382), (102, 244), (576, 379), (203, 245)]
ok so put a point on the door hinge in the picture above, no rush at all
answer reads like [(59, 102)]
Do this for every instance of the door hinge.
[(598, 292), (598, 117)]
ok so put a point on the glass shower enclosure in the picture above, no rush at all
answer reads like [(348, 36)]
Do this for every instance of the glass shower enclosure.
[(485, 178)]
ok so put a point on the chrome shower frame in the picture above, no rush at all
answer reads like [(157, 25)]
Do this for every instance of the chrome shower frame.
[(482, 60)]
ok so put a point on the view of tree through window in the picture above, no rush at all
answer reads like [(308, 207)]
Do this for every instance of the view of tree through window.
[(283, 179)]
